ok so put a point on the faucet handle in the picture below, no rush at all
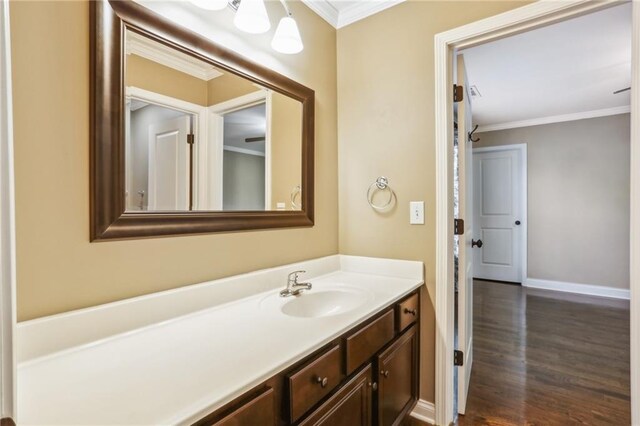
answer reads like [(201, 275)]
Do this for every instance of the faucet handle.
[(296, 273)]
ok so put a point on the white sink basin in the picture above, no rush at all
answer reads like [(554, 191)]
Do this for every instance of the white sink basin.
[(323, 303)]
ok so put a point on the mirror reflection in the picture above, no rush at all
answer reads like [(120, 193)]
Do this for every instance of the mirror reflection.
[(200, 138)]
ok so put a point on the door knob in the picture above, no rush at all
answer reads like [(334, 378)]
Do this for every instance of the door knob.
[(475, 243), (518, 222)]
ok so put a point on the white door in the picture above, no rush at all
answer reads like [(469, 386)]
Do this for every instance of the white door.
[(169, 164), (498, 214), (465, 259)]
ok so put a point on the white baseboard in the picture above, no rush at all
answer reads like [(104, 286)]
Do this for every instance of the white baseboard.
[(424, 411), (587, 289)]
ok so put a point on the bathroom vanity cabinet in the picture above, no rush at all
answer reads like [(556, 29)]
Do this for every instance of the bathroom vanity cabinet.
[(367, 376)]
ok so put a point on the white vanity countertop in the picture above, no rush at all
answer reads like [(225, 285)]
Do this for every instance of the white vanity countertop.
[(181, 369)]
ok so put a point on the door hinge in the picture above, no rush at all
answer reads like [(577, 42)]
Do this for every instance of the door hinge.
[(458, 226), (458, 358), (191, 139), (458, 93)]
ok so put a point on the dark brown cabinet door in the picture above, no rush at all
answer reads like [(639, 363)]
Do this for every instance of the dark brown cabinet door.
[(398, 379), (350, 406), (259, 410)]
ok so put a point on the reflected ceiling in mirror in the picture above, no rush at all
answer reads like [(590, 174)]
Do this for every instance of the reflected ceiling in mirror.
[(200, 138)]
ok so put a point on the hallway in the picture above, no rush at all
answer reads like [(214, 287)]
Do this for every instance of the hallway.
[(547, 358)]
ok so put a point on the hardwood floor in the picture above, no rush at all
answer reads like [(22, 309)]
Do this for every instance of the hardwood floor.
[(543, 358)]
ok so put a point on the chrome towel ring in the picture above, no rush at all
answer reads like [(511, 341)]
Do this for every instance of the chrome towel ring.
[(294, 194), (381, 184)]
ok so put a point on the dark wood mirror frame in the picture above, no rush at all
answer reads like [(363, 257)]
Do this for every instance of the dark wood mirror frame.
[(109, 220)]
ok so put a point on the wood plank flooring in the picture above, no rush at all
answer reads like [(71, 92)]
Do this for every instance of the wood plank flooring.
[(543, 358)]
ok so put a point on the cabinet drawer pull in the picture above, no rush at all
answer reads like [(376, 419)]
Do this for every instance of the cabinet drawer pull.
[(373, 386), (410, 311), (385, 373), (322, 381)]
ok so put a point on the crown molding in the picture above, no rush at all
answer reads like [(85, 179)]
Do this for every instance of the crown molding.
[(555, 119), (325, 10), (363, 9), (351, 14), (148, 49)]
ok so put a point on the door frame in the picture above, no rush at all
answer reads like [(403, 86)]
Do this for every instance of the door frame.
[(522, 153), (214, 115), (7, 226), (528, 17), (199, 129)]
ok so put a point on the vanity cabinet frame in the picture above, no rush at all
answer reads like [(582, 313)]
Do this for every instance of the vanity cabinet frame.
[(109, 220), (371, 367)]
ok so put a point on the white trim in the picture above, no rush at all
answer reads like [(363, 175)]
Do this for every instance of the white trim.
[(240, 102), (425, 411), (524, 199), (163, 100), (556, 119), (325, 10), (363, 9), (587, 289), (172, 58), (531, 16), (634, 232), (243, 151), (7, 226), (353, 13)]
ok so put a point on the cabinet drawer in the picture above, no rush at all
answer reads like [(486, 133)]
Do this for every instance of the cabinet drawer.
[(363, 344), (314, 381), (408, 312), (350, 406)]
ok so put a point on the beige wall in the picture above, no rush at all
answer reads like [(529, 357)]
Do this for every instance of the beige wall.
[(58, 268), (227, 87), (578, 198), (286, 149), (152, 76), (386, 116)]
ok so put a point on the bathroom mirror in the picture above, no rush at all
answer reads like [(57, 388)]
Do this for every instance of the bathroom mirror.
[(189, 137)]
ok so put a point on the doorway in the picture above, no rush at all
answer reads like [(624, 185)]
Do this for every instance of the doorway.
[(500, 26)]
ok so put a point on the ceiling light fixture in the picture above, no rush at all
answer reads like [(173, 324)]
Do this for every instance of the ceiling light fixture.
[(251, 17), (287, 37)]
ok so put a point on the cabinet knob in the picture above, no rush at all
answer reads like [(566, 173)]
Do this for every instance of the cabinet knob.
[(322, 381), (385, 373), (373, 385), (410, 311)]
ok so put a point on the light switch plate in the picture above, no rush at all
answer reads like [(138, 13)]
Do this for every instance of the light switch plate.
[(416, 212)]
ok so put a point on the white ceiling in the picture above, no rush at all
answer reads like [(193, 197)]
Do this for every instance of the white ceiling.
[(340, 13), (566, 68)]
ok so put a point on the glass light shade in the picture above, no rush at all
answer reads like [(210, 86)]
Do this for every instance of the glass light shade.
[(287, 38), (210, 4), (252, 17)]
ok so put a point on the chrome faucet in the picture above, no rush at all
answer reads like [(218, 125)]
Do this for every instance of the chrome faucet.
[(294, 288)]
